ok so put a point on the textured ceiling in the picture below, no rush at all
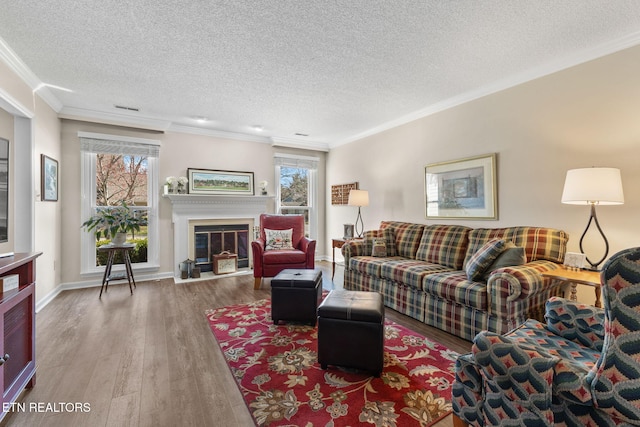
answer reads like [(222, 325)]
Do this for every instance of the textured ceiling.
[(333, 70)]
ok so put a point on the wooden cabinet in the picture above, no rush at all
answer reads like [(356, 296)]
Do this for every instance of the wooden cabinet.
[(18, 328)]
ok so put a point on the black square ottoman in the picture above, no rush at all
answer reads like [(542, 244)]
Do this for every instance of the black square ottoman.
[(295, 295), (351, 330)]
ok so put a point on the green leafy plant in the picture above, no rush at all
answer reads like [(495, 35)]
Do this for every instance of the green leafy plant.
[(110, 220)]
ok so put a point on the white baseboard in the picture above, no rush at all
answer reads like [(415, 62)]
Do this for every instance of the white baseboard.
[(93, 283)]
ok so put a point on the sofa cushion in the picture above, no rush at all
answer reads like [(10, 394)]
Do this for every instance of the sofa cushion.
[(406, 237), (369, 265), (539, 243), (483, 258), (511, 256), (454, 286), (444, 244), (409, 272)]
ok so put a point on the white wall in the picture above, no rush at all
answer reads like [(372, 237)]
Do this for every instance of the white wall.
[(47, 234), (32, 128), (584, 116)]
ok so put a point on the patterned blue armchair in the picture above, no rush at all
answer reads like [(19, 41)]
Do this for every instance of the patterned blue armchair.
[(580, 369)]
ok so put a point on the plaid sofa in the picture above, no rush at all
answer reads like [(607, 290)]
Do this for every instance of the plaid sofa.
[(423, 276)]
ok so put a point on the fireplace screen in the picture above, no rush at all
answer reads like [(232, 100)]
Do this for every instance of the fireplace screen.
[(212, 239)]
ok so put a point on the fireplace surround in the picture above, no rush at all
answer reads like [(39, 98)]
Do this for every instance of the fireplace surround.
[(190, 210)]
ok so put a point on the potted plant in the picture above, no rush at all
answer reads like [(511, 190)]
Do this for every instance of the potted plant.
[(114, 222)]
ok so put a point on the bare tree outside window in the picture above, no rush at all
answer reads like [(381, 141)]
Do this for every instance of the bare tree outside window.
[(123, 178), (294, 193), (294, 186)]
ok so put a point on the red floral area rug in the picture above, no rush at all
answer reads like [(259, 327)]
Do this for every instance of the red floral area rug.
[(282, 383)]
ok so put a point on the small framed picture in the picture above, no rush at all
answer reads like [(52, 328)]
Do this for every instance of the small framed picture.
[(49, 179), (574, 260), (348, 232)]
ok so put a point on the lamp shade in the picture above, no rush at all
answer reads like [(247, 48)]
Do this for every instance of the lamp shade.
[(601, 186), (358, 198)]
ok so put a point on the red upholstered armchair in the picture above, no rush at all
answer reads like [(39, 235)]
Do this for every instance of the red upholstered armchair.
[(277, 248)]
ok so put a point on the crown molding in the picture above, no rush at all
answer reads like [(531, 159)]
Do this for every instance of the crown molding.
[(13, 61), (218, 133), (13, 106), (299, 143), (117, 119), (581, 57)]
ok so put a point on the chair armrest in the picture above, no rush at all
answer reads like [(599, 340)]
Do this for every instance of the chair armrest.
[(581, 323), (308, 246), (257, 247), (522, 372)]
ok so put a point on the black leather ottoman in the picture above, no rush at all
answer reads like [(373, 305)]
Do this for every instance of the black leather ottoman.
[(295, 295), (351, 330)]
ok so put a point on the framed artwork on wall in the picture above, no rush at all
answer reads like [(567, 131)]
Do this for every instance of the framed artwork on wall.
[(340, 193), (48, 179), (209, 181), (464, 188)]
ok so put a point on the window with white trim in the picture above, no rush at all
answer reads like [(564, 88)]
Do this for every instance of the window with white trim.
[(296, 192), (116, 169)]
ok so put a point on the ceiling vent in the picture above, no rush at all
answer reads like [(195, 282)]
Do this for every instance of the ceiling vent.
[(122, 107)]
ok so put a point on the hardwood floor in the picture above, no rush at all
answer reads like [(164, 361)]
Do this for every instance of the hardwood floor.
[(148, 359)]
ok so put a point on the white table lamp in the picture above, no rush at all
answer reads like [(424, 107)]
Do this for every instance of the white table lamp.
[(593, 186), (359, 198)]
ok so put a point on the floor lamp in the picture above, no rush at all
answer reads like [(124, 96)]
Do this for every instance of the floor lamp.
[(358, 198), (593, 186)]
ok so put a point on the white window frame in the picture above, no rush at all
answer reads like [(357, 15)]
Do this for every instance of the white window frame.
[(88, 206), (303, 162)]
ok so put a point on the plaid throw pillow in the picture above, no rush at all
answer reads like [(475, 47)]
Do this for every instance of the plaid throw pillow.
[(483, 258)]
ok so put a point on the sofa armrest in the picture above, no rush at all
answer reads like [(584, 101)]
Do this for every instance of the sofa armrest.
[(509, 285), (581, 323), (350, 249)]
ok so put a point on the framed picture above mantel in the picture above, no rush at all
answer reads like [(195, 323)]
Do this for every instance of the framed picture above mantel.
[(464, 189), (210, 181)]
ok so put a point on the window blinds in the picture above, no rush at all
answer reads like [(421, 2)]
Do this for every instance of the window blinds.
[(293, 161), (113, 144)]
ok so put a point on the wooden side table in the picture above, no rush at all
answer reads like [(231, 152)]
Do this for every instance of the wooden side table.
[(111, 250), (573, 278)]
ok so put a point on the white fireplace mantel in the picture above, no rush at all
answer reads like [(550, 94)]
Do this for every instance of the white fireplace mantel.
[(190, 207)]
